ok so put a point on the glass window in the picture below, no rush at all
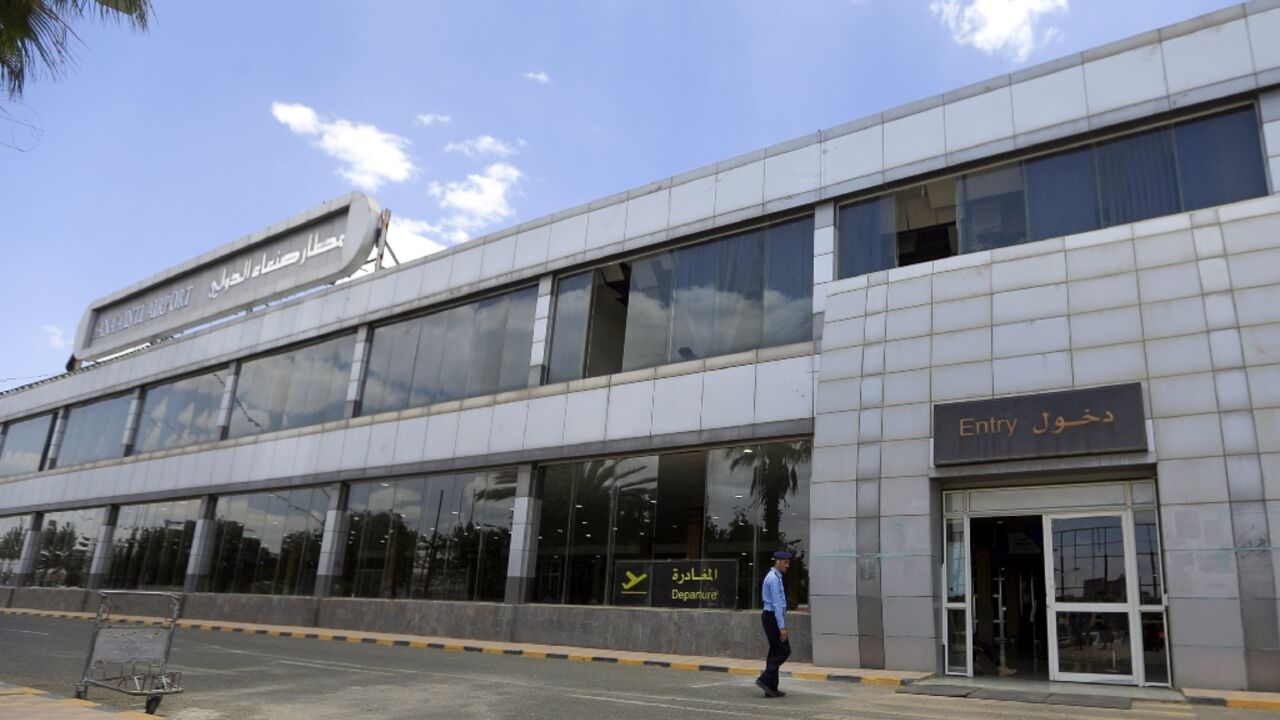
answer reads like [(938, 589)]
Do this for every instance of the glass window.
[(1137, 177), (741, 503), (868, 237), (476, 349), (303, 386), (268, 543), (180, 413), (788, 285), (1220, 159), (648, 332), (13, 533), (443, 537), (151, 545), (24, 445), (992, 211), (67, 540), (1146, 535), (1088, 559), (1062, 194), (94, 431), (569, 334)]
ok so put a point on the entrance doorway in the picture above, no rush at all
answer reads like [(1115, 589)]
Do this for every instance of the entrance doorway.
[(1006, 557), (1055, 583)]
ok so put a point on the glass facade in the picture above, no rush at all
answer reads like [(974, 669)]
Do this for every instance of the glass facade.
[(738, 503), (24, 445), (180, 413), (740, 292), (67, 540), (151, 546), (94, 431), (268, 543), (1185, 166), (476, 349), (295, 388), (13, 533), (439, 537)]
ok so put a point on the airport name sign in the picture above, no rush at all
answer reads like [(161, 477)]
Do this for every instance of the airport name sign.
[(316, 247)]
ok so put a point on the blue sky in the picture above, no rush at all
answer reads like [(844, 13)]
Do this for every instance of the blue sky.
[(462, 118)]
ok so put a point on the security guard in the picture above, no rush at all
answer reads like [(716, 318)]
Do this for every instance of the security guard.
[(775, 624)]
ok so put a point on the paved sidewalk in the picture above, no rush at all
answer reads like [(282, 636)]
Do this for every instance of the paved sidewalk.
[(24, 703), (732, 666)]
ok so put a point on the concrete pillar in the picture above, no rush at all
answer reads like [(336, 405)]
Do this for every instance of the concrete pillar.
[(30, 551), (359, 363), (55, 439), (100, 565), (200, 561), (228, 398), (541, 339), (824, 263), (333, 543), (131, 423), (523, 558)]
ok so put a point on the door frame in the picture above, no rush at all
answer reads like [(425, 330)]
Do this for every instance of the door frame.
[(1139, 495)]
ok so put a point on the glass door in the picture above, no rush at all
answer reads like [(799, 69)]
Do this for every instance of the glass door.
[(1090, 576)]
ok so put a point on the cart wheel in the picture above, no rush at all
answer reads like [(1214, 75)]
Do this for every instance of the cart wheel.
[(153, 704), (81, 692)]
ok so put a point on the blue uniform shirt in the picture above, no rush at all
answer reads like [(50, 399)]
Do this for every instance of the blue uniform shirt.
[(775, 600)]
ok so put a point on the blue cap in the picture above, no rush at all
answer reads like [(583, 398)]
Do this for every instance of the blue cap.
[(782, 555)]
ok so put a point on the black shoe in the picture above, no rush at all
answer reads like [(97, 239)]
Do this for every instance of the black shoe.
[(779, 693), (768, 691)]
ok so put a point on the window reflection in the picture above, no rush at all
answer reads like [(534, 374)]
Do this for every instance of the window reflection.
[(151, 546), (442, 537), (1138, 177), (94, 431), (1094, 643), (268, 543), (303, 386), (13, 533), (1088, 559), (476, 349), (24, 445), (67, 540), (180, 413), (992, 209), (737, 503)]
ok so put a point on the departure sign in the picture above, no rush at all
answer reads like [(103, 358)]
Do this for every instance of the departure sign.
[(1076, 422)]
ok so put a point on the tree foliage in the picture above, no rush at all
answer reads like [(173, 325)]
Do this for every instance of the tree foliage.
[(35, 33)]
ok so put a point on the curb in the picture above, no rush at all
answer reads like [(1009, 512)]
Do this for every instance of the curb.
[(853, 677), (1243, 700), (9, 690)]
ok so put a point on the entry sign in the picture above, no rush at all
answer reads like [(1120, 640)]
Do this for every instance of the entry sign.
[(676, 583), (1076, 422)]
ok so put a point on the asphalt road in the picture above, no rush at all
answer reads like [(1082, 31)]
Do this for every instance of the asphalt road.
[(251, 677)]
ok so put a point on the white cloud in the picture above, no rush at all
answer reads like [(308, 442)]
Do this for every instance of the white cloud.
[(429, 119), (411, 239), (370, 156), (479, 201), (1011, 27), (54, 335), (539, 77), (485, 145)]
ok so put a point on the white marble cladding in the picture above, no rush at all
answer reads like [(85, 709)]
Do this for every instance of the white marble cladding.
[(1222, 54), (1188, 305), (751, 388)]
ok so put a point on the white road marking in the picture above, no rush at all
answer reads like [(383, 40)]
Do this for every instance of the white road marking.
[(673, 707), (29, 632)]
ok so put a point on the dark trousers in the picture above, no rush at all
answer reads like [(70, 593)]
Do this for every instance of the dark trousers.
[(779, 650)]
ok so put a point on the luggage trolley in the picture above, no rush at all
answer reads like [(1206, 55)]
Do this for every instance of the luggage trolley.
[(129, 657)]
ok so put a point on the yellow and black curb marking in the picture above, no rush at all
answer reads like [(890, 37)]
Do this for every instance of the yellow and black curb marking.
[(356, 638), (8, 690), (1241, 700)]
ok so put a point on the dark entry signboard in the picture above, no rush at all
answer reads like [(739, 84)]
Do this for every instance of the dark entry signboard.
[(1075, 422), (676, 583)]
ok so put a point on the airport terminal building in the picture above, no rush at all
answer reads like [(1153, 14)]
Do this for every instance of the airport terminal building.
[(1001, 367)]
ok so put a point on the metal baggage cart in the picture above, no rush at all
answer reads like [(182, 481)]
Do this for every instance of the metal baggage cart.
[(131, 657)]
